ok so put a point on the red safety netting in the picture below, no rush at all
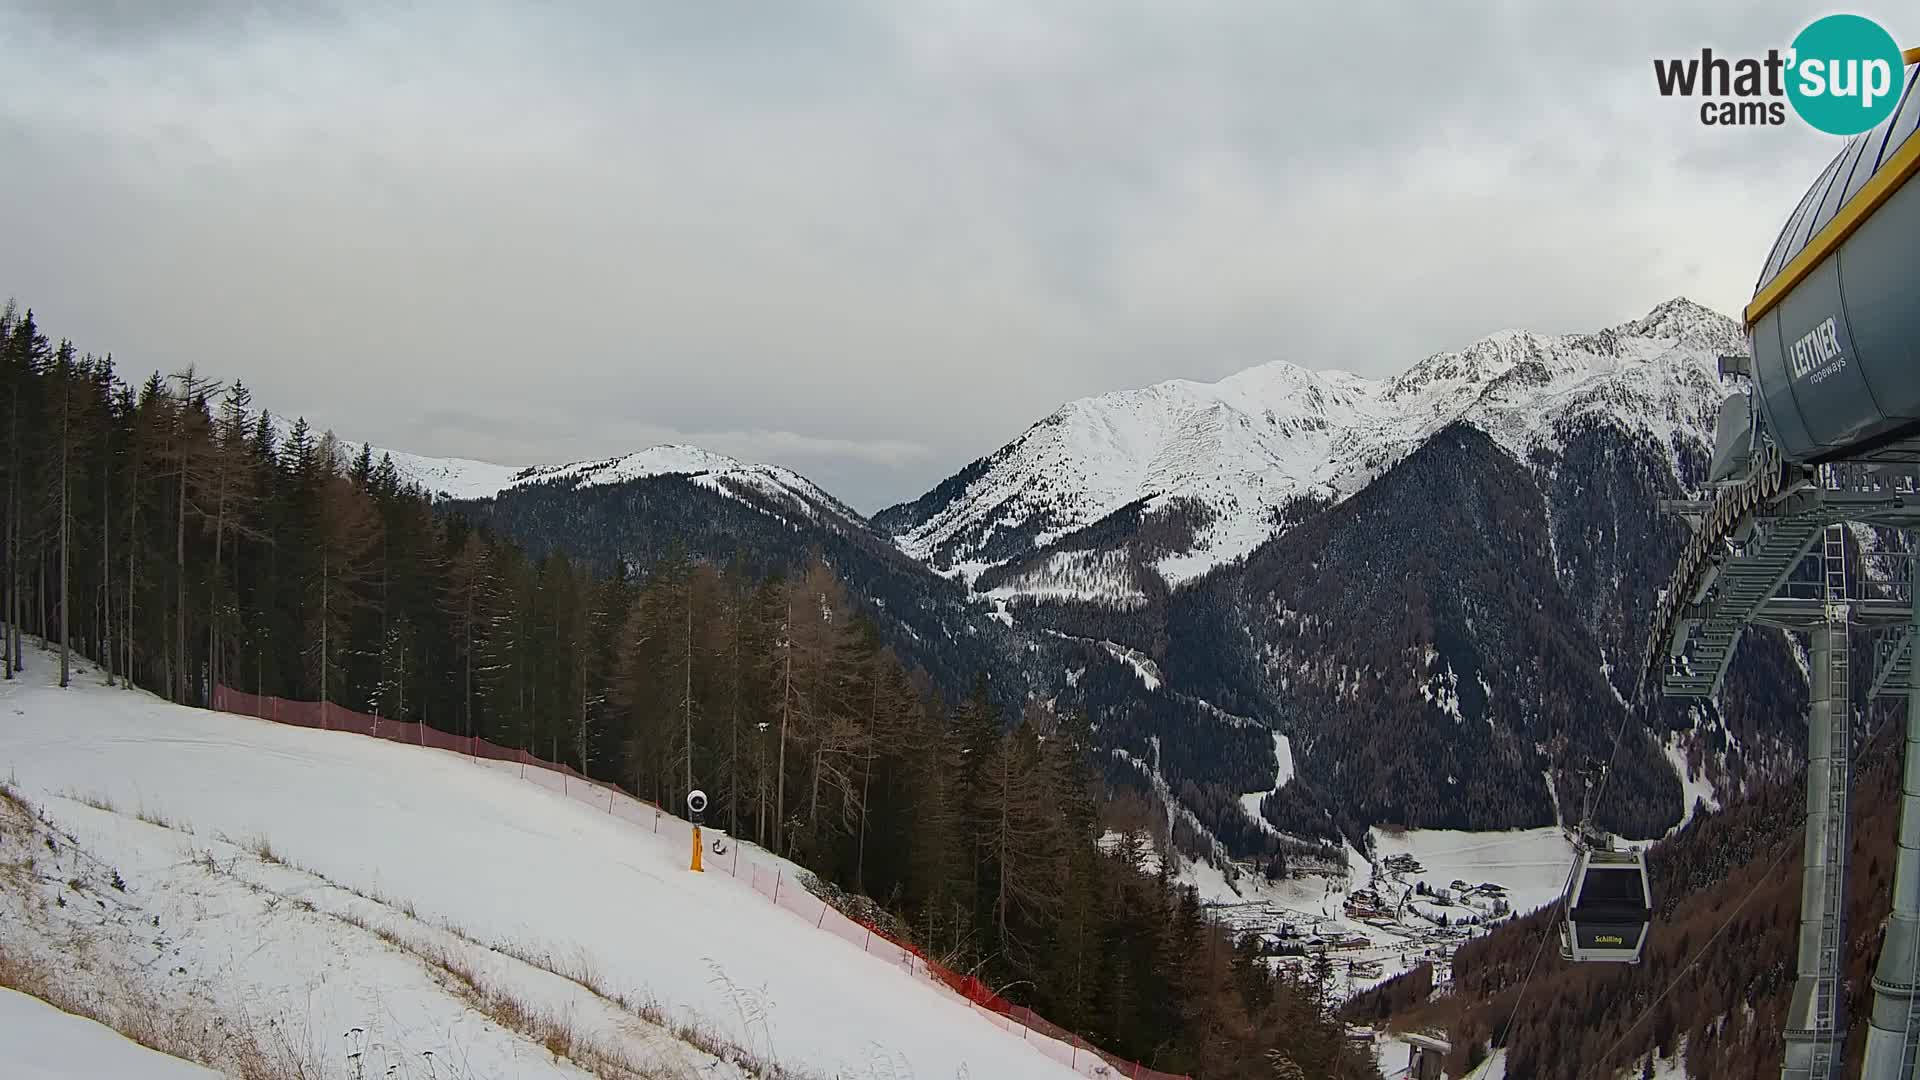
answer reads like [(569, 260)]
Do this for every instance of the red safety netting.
[(771, 882)]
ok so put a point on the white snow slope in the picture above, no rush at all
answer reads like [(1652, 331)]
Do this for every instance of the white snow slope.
[(1246, 444), (1283, 756), (425, 843), (42, 1043)]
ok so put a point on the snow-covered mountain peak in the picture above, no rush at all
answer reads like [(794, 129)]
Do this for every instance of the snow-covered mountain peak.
[(1281, 383), (1229, 456), (464, 478), (718, 472), (666, 459), (1688, 324)]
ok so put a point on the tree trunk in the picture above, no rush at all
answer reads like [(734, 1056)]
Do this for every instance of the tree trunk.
[(106, 568), (6, 588), (213, 583), (9, 642), (760, 778), (554, 730), (133, 527), (469, 684), (324, 619), (866, 783), (786, 711), (733, 727), (1006, 846), (180, 583), (380, 696), (813, 796), (66, 621)]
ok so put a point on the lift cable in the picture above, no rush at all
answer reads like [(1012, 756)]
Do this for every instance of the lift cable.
[(1586, 811), (1566, 889), (1872, 734), (1552, 929)]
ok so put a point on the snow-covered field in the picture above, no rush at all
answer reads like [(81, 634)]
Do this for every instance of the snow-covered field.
[(1530, 864), (360, 896), (1529, 867), (43, 1043)]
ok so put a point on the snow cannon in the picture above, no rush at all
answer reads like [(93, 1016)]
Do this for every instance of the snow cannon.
[(1834, 324), (696, 808)]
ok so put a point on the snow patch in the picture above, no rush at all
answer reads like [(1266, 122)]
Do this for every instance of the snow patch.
[(1693, 789), (1250, 802), (1142, 664), (1103, 576)]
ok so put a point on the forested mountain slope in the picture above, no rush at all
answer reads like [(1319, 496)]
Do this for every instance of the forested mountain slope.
[(633, 522), (1442, 646), (1435, 583)]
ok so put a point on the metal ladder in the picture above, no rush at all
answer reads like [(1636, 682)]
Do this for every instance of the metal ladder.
[(1827, 1016)]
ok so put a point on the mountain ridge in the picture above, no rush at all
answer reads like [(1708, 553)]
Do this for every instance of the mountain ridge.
[(459, 479), (1201, 518), (1248, 444)]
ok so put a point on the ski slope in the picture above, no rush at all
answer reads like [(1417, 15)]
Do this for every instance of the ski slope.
[(43, 1043), (440, 846)]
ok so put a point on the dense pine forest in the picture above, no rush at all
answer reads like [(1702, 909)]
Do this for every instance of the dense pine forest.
[(177, 538)]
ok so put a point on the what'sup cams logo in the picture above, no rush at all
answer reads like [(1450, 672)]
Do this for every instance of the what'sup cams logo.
[(1843, 75)]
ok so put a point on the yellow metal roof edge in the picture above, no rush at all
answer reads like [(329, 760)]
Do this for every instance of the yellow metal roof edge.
[(1892, 175)]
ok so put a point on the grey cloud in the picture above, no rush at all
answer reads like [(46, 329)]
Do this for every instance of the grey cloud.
[(868, 240), (145, 23)]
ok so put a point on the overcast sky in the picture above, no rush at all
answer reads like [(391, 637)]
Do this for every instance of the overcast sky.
[(868, 240)]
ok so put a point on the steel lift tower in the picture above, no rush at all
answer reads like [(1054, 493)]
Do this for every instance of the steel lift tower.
[(1822, 435)]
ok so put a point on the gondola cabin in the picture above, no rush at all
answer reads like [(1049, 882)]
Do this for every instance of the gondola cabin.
[(1609, 908)]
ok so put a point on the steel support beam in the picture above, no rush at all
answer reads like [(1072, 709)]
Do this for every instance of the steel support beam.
[(1816, 1024), (1893, 1034)]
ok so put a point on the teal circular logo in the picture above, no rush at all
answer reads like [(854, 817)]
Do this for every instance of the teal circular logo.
[(1844, 74)]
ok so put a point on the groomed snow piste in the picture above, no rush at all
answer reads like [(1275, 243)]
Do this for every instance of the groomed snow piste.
[(42, 1043), (459, 856)]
